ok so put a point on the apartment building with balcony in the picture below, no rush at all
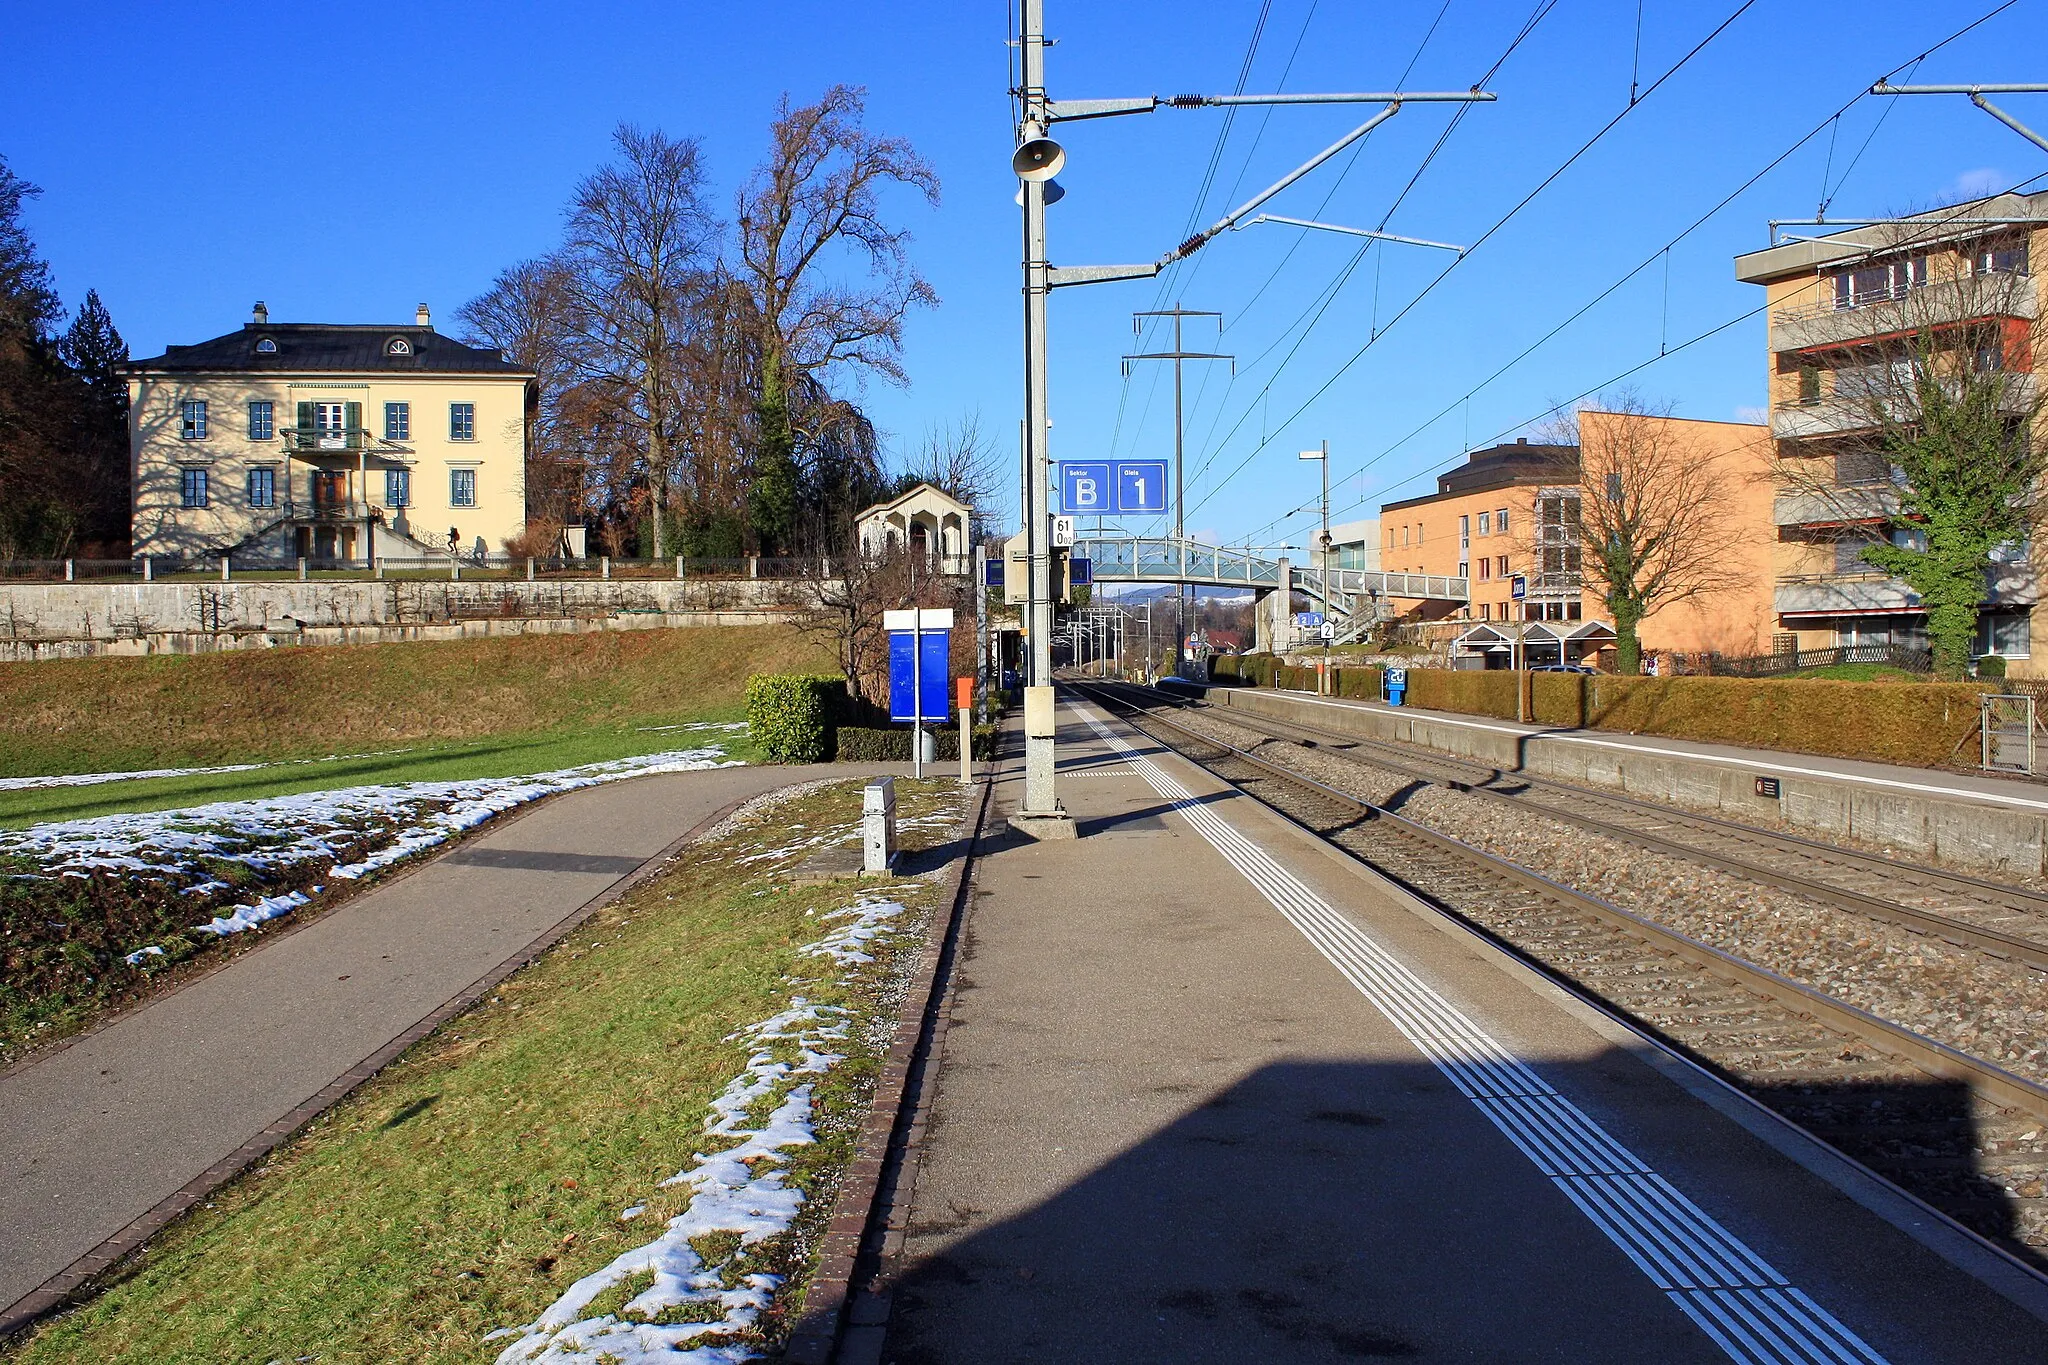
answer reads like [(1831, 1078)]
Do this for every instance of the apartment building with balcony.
[(1509, 520), (1839, 307), (338, 444)]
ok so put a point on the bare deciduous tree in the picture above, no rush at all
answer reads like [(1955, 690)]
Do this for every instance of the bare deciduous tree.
[(815, 204), (846, 599), (1926, 460), (525, 314), (640, 262), (1653, 513), (957, 458)]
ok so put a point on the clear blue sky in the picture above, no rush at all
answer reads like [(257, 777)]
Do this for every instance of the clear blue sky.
[(345, 165)]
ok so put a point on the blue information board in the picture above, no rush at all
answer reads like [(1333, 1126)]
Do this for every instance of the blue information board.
[(1085, 488), (918, 682), (1101, 487)]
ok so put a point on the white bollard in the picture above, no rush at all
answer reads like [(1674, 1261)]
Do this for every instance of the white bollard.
[(224, 568), (878, 827), (966, 746)]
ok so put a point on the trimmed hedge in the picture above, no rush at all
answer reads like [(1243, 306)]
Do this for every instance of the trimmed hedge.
[(864, 744), (792, 715)]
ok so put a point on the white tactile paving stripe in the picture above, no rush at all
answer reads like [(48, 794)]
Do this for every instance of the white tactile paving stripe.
[(1751, 1312)]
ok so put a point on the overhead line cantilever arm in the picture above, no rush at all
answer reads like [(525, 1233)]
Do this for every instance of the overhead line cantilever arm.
[(1348, 231), (1058, 111), (1976, 94)]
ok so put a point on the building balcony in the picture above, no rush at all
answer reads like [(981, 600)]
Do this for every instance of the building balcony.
[(329, 513), (1838, 416), (1859, 590), (1834, 506), (2005, 294)]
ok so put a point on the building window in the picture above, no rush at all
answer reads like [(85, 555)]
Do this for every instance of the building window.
[(462, 421), (330, 419), (1404, 535), (1809, 383), (1418, 533), (266, 347), (1486, 611), (398, 488), (1500, 522), (1485, 570), (1501, 569), (2007, 257), (462, 485), (398, 346), (1486, 523), (262, 422), (398, 421), (192, 487), (1464, 569), (2004, 634), (192, 420), (1879, 283), (1572, 609), (263, 486)]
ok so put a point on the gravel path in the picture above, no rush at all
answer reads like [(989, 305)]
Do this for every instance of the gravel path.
[(1985, 1007)]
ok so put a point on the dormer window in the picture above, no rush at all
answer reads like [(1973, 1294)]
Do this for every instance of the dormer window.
[(265, 346), (398, 346)]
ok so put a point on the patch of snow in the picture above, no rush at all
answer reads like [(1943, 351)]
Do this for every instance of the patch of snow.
[(278, 835), (249, 916), (739, 1190), (634, 1212), (695, 725), (142, 774)]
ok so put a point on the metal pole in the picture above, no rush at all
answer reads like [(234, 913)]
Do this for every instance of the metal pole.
[(1041, 800), (917, 692), (1325, 547)]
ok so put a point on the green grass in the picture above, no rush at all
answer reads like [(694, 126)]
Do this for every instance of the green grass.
[(468, 1185), (498, 756)]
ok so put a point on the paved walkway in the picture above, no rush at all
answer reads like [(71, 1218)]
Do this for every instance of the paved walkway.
[(1210, 1094), (96, 1135)]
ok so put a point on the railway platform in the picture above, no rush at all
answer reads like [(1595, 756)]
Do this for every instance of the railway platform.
[(1208, 1091), (1982, 821)]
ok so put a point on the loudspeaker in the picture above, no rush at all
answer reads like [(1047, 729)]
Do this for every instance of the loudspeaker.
[(1054, 192), (1038, 159)]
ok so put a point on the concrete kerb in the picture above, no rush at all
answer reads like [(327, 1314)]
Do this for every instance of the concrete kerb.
[(840, 1324), (61, 1288)]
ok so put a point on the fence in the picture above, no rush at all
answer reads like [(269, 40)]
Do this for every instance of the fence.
[(1798, 660), (153, 568)]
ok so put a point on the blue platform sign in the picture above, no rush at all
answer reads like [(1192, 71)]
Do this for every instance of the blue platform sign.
[(1101, 487), (1085, 488), (919, 663), (1141, 485), (1080, 571)]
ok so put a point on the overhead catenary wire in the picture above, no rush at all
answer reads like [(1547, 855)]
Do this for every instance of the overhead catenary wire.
[(1832, 119), (1480, 241)]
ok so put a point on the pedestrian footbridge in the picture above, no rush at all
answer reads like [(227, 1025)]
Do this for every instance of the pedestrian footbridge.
[(1356, 598)]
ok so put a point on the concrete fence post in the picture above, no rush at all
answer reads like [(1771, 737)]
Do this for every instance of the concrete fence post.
[(753, 566), (377, 569), (529, 568), (604, 566), (679, 568), (148, 570), (70, 571), (225, 561), (455, 571), (302, 568)]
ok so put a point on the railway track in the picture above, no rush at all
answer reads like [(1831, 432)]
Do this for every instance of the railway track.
[(1959, 1134), (2003, 921)]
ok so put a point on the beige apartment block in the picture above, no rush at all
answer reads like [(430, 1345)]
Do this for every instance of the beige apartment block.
[(337, 444), (1835, 300)]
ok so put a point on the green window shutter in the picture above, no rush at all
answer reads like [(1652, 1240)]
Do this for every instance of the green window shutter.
[(305, 419), (352, 415)]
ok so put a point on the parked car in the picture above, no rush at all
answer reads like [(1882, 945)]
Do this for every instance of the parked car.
[(1564, 668)]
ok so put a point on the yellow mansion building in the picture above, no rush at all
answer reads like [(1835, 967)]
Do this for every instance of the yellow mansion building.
[(335, 444)]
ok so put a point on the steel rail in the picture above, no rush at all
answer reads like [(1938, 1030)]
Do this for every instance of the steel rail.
[(2030, 952), (1936, 1058)]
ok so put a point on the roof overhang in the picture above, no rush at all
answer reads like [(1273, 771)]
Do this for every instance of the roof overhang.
[(1859, 243)]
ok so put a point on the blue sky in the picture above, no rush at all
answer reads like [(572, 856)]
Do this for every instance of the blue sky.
[(343, 167)]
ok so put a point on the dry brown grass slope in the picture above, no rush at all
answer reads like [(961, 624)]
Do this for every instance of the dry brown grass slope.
[(105, 715)]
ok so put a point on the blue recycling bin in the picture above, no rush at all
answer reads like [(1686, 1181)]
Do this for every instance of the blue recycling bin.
[(1394, 686)]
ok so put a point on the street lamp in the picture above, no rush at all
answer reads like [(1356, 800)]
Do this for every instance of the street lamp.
[(1322, 456)]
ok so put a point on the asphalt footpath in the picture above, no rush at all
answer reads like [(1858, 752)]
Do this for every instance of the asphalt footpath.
[(96, 1135), (1210, 1093)]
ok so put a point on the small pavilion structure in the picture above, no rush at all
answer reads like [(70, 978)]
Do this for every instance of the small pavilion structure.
[(928, 522)]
